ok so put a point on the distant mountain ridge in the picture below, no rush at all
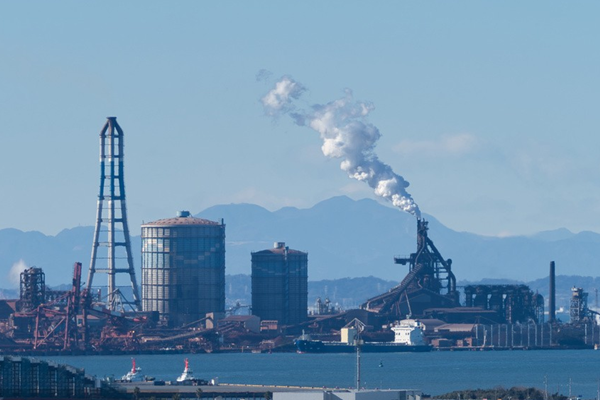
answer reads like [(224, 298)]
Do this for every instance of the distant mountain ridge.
[(343, 238), (347, 238)]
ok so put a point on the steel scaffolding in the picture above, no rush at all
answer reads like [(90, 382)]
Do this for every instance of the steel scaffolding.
[(112, 191)]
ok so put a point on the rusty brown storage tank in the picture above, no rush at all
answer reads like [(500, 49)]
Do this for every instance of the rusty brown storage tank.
[(280, 284), (183, 268)]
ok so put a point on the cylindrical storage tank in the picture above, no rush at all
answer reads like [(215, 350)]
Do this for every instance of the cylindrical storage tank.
[(183, 268), (280, 284)]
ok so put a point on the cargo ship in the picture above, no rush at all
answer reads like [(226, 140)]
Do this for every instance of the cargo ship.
[(408, 337)]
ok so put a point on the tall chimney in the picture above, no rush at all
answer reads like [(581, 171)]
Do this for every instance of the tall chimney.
[(552, 300)]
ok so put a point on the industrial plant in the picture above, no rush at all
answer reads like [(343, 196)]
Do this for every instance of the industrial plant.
[(181, 306), (24, 377), (280, 285), (183, 268)]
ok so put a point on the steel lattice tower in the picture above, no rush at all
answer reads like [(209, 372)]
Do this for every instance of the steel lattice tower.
[(113, 216)]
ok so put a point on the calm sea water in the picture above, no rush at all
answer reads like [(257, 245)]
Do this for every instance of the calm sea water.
[(433, 373)]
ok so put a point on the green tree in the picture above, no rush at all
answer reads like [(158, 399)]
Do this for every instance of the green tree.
[(198, 393), (136, 393)]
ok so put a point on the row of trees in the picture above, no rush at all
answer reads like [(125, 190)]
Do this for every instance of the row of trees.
[(499, 393)]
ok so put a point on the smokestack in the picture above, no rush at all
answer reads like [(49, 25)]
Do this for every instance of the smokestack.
[(552, 300)]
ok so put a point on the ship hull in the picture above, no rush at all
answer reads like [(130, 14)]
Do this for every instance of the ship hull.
[(317, 346)]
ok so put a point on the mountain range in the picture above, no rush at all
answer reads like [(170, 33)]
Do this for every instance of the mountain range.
[(343, 238)]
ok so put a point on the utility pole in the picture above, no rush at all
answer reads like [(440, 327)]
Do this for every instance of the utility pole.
[(359, 327), (357, 362)]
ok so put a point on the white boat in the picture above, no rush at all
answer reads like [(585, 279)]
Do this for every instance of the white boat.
[(409, 332), (134, 375), (187, 375)]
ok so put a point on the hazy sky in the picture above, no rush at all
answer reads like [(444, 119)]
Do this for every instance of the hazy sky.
[(488, 109)]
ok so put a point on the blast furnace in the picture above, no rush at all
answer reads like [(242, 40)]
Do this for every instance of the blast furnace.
[(429, 283)]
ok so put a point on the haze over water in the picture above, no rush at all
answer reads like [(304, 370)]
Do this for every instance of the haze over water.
[(433, 373)]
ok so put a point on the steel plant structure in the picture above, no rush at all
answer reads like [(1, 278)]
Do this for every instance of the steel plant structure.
[(429, 290), (513, 303), (429, 283), (280, 284), (183, 268), (111, 199), (33, 289)]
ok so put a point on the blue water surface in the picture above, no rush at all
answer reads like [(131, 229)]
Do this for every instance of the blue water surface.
[(433, 373)]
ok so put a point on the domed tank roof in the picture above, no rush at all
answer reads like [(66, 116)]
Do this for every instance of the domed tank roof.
[(279, 248), (183, 218)]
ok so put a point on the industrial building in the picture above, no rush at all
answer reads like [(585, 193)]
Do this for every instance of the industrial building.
[(512, 303), (429, 283), (183, 295), (183, 268), (23, 377), (280, 284), (579, 311), (33, 289), (429, 291)]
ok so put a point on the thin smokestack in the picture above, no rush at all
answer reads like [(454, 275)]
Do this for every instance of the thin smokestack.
[(552, 300)]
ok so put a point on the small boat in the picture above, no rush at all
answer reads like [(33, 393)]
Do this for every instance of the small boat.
[(187, 375), (134, 375)]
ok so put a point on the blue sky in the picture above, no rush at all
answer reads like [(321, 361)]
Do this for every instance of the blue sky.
[(488, 109)]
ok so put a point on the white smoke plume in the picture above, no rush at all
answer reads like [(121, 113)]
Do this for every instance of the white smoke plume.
[(14, 274), (279, 99), (346, 135)]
